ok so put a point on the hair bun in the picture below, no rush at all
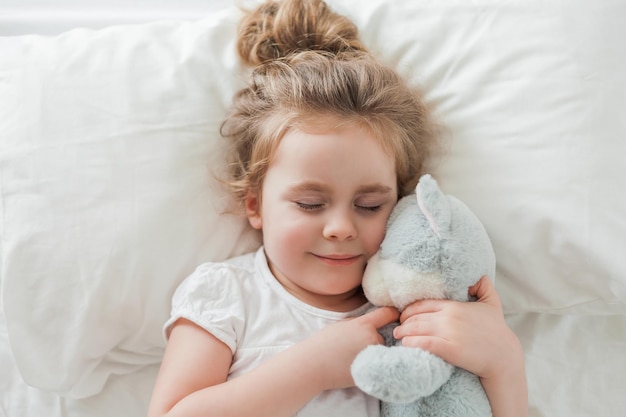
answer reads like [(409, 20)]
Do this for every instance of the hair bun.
[(279, 28)]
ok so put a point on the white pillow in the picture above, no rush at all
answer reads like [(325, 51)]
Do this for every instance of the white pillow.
[(108, 139), (108, 143), (532, 94)]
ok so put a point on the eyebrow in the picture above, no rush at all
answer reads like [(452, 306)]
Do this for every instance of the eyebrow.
[(319, 187)]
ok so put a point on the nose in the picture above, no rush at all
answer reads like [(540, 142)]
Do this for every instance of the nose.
[(340, 225)]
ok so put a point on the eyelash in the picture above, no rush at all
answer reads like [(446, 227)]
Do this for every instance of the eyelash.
[(369, 208), (313, 207), (309, 207)]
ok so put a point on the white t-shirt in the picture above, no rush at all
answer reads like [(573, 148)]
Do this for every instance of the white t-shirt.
[(241, 303)]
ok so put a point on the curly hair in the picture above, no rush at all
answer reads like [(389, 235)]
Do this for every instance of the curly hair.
[(309, 64)]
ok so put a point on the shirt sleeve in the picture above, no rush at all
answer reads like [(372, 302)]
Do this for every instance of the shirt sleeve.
[(211, 297)]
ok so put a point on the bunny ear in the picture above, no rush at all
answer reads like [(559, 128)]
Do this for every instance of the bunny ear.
[(433, 203)]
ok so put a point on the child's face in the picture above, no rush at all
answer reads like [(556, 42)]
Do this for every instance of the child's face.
[(325, 202)]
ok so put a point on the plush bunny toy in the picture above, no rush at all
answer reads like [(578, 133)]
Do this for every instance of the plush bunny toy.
[(434, 248)]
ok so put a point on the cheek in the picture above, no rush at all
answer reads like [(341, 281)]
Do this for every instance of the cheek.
[(292, 237), (285, 245), (374, 234), (288, 233)]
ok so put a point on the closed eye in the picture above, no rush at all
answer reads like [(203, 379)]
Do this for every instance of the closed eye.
[(309, 207), (369, 208)]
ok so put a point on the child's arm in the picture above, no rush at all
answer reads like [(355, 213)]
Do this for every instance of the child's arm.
[(473, 336), (192, 379)]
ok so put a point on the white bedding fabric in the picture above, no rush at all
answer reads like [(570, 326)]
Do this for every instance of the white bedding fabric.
[(22, 17), (575, 369), (108, 138)]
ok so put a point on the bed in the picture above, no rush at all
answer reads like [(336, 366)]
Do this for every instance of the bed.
[(109, 118)]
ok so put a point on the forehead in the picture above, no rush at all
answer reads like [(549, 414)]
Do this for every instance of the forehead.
[(334, 154), (333, 138), (279, 125)]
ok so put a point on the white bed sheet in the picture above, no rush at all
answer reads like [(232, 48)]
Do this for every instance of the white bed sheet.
[(575, 368), (574, 364), (123, 396), (21, 17)]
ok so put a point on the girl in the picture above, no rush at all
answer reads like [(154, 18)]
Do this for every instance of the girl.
[(325, 141)]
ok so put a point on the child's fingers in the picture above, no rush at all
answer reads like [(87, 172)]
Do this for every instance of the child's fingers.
[(417, 327), (485, 292), (380, 317), (422, 307), (430, 344)]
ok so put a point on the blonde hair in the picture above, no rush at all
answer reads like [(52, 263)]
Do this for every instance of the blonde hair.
[(309, 64)]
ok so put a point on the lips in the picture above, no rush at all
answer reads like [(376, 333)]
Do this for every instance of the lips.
[(338, 260)]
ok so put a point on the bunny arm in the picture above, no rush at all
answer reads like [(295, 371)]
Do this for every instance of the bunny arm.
[(399, 374)]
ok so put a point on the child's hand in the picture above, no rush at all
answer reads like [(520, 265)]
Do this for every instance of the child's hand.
[(473, 336), (337, 345), (470, 335)]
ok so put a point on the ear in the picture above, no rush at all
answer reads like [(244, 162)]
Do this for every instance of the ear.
[(253, 209), (434, 204)]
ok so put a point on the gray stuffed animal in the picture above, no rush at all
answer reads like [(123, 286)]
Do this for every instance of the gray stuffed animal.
[(434, 248)]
